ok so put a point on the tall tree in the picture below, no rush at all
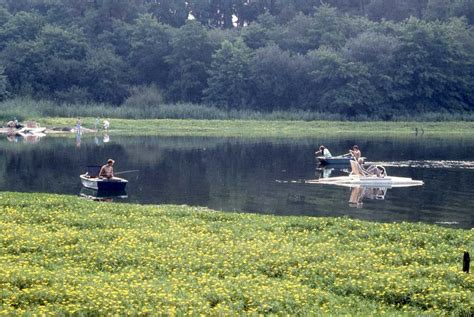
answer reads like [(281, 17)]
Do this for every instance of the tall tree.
[(118, 38), (5, 16), (340, 85), (464, 8), (3, 84), (229, 76), (435, 66), (278, 78), (189, 62), (150, 44), (376, 51), (170, 12), (257, 34), (328, 27), (105, 77), (396, 10), (20, 27), (61, 55)]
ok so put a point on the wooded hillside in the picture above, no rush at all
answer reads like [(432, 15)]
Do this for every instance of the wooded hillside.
[(367, 57)]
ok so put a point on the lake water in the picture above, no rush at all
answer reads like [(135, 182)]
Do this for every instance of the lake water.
[(255, 175)]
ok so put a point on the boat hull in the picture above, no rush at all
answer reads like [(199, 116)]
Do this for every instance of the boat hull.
[(104, 184), (95, 194)]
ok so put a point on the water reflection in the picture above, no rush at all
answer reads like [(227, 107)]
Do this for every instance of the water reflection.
[(359, 193), (78, 138), (30, 138), (13, 138), (324, 171)]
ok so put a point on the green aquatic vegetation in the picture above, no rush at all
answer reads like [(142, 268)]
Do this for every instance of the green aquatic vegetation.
[(65, 255)]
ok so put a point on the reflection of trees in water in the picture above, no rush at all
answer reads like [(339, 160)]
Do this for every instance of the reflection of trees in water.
[(49, 165)]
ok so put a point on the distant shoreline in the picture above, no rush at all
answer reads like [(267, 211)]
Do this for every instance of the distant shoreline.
[(267, 128)]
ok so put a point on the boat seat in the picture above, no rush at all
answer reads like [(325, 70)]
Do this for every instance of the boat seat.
[(93, 170)]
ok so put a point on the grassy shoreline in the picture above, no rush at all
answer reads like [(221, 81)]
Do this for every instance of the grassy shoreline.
[(260, 128), (64, 255)]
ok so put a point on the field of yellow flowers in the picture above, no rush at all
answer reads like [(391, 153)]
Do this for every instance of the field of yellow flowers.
[(64, 255)]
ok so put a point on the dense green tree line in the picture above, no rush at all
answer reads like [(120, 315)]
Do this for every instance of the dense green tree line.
[(359, 58)]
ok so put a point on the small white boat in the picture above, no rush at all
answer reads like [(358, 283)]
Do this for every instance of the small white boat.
[(92, 180), (103, 184), (26, 130)]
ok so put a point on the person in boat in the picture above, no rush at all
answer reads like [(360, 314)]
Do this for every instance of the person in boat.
[(355, 152), (107, 170), (323, 151)]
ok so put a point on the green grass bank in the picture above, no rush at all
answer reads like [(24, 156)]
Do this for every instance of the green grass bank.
[(261, 128), (62, 255)]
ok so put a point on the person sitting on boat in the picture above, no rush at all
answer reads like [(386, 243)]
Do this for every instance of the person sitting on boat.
[(107, 170), (323, 151), (355, 152)]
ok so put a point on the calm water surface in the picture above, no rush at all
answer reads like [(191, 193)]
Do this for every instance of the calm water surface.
[(256, 175)]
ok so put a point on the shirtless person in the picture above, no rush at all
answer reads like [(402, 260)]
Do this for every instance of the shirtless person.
[(355, 152), (107, 170)]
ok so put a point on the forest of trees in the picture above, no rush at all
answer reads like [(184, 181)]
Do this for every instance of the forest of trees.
[(353, 57)]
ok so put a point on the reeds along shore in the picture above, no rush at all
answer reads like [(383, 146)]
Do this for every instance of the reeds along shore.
[(26, 108)]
